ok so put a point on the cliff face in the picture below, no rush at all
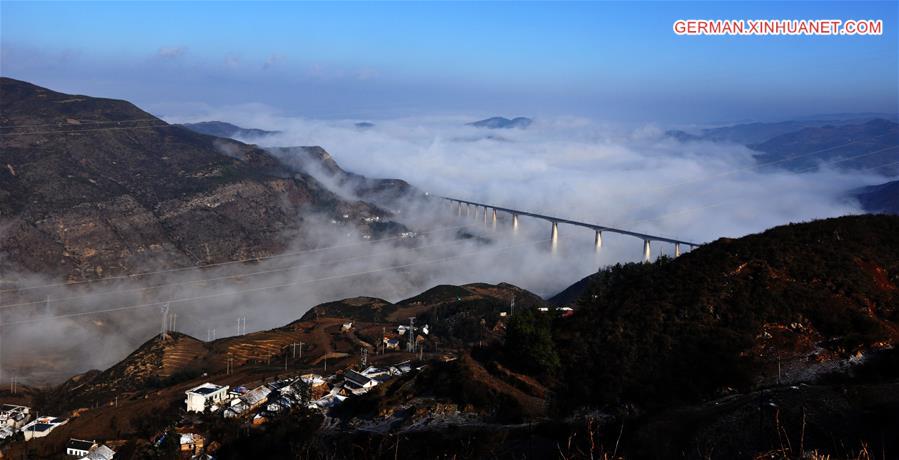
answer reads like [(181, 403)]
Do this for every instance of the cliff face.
[(91, 187)]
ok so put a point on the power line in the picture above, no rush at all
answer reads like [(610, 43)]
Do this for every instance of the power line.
[(73, 131), (83, 122), (230, 262), (225, 277), (264, 288)]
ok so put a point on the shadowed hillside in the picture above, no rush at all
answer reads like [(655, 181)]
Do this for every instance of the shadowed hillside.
[(807, 296)]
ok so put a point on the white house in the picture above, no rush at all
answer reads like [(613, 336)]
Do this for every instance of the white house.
[(79, 447), (256, 397), (357, 383), (42, 426), (14, 416), (102, 452), (198, 396)]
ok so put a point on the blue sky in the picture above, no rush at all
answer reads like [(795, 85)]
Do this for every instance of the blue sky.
[(608, 60)]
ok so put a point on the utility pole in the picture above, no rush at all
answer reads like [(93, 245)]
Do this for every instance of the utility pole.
[(512, 305), (411, 334), (165, 313)]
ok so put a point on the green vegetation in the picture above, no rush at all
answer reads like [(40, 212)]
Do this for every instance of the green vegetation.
[(529, 343), (680, 330)]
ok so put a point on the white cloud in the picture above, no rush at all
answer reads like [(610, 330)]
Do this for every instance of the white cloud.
[(171, 52), (273, 60)]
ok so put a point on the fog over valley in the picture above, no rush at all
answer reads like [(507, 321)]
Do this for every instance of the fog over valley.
[(631, 177)]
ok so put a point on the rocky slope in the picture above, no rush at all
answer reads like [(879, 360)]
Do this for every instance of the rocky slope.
[(93, 187), (317, 162)]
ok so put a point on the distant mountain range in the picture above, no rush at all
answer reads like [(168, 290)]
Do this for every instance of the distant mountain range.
[(502, 123), (223, 129), (845, 142), (755, 133), (871, 145)]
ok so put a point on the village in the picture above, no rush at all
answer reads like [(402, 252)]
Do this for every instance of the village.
[(176, 393), (251, 405)]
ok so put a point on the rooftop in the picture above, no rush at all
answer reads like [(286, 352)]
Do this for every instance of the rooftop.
[(205, 389), (79, 444)]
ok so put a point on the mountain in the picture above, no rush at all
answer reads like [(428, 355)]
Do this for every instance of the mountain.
[(765, 346), (93, 187), (783, 305), (180, 358), (502, 123), (222, 129), (879, 198), (755, 133), (873, 145), (318, 163)]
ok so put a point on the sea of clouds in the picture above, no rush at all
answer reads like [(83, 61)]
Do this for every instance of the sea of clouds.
[(627, 176)]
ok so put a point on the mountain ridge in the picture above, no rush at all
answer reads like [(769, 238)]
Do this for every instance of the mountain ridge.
[(93, 187)]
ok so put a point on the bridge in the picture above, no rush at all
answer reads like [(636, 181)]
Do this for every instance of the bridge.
[(469, 208)]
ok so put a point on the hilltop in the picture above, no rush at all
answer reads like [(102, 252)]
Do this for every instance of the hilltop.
[(502, 123), (223, 129)]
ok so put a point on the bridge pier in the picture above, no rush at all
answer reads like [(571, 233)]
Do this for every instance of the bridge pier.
[(515, 224), (494, 218), (647, 252), (676, 249), (554, 236), (597, 242), (485, 215)]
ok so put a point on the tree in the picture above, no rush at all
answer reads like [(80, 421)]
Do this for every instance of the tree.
[(529, 343)]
